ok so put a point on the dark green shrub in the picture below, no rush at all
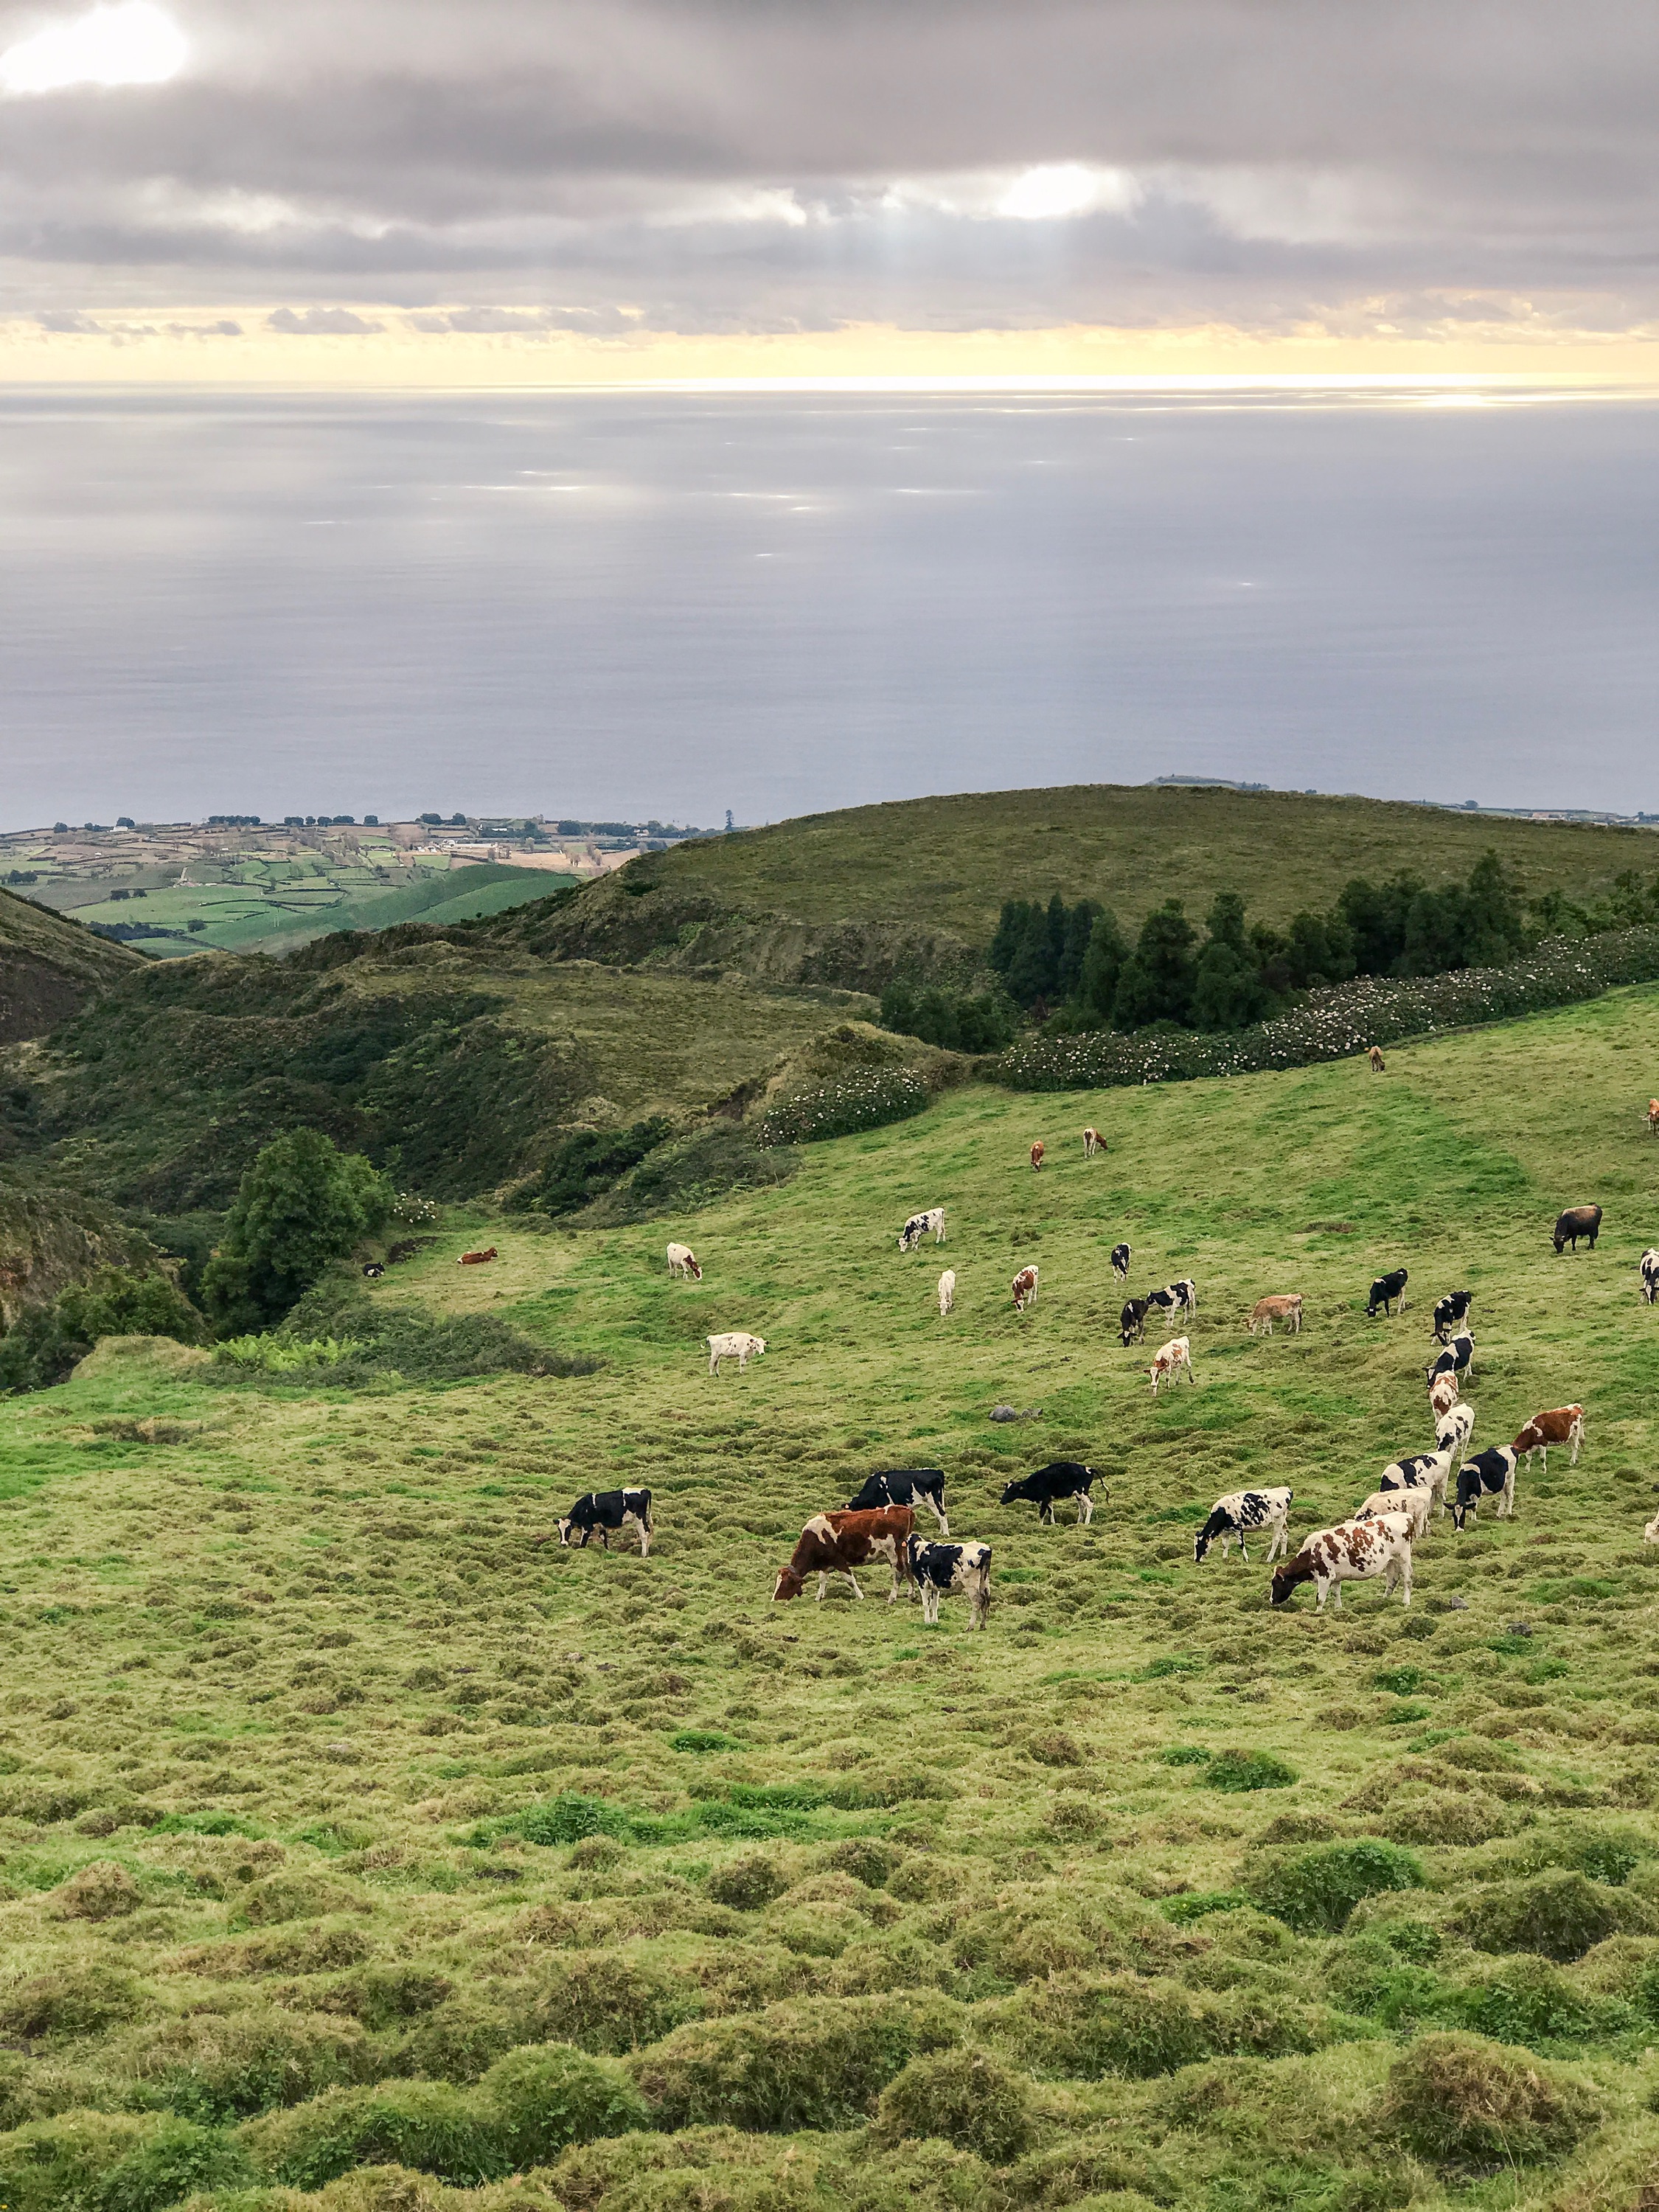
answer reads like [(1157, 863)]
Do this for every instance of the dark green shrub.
[(549, 2096), (1609, 1855), (951, 1019), (178, 2160), (1461, 2101), (693, 1171), (1240, 1771), (962, 2097), (1315, 1890), (302, 1206), (47, 2166), (748, 1884), (1368, 1975), (45, 1342), (588, 1162), (1559, 1915), (429, 2125), (460, 2040)]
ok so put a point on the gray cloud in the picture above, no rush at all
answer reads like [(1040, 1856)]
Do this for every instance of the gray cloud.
[(321, 322), (757, 164)]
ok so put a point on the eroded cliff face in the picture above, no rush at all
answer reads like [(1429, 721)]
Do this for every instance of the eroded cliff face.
[(50, 1238), (50, 967)]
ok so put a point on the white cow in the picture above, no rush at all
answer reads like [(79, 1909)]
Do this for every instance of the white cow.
[(1649, 1264), (1650, 1534), (737, 1344), (1168, 1362), (918, 1226), (947, 1289), (1415, 1505), (683, 1261)]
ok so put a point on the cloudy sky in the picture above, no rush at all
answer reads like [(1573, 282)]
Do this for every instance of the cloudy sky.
[(405, 190)]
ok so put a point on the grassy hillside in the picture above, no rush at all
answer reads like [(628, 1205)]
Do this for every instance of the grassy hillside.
[(338, 1794), (49, 967)]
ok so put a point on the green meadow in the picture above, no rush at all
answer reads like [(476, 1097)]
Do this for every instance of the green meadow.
[(361, 1849)]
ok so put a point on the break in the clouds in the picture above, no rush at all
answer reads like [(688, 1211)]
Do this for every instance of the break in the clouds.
[(734, 165)]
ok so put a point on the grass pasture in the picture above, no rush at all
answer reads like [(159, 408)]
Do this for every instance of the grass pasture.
[(337, 1802)]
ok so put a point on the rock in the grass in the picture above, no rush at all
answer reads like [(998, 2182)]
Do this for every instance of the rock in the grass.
[(1518, 1628), (1007, 1414)]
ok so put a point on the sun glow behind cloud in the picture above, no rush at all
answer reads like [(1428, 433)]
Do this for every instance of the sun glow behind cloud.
[(131, 42)]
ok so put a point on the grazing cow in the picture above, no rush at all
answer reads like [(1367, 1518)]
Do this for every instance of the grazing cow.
[(1416, 1504), (1168, 1362), (373, 1269), (1443, 1395), (1354, 1551), (1487, 1473), (606, 1509), (1650, 1267), (1121, 1262), (1457, 1358), (947, 1290), (1578, 1221), (1093, 1142), (1024, 1288), (1286, 1308), (475, 1259), (1650, 1534), (1036, 1154), (1448, 1311), (1429, 1472), (918, 1226), (1240, 1511), (1385, 1290), (1564, 1425), (1061, 1478), (936, 1569), (1131, 1323), (1375, 1059), (1454, 1429), (836, 1543), (736, 1344), (908, 1485), (683, 1261), (1653, 1117)]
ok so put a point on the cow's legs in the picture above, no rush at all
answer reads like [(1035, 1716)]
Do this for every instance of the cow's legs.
[(1085, 1507), (853, 1579)]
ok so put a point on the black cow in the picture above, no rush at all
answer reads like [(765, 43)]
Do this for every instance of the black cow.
[(1578, 1221), (606, 1509), (374, 1270), (1489, 1473), (1132, 1323), (1457, 1358), (936, 1569), (1448, 1311), (909, 1486), (1121, 1262), (1385, 1290), (1061, 1478)]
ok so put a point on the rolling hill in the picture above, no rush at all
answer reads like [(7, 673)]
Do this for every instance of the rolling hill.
[(50, 967)]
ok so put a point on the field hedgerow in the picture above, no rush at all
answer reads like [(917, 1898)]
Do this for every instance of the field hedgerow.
[(863, 1098)]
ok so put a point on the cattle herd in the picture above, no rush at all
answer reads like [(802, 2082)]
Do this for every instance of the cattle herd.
[(877, 1525)]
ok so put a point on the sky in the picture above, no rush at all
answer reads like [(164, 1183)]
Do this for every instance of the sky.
[(489, 192)]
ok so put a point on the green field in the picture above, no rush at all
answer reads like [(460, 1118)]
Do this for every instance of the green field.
[(339, 1800)]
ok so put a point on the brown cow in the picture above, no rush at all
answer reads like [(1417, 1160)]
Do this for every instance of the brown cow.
[(1093, 1142), (1563, 1424), (1653, 1117), (475, 1259), (836, 1543), (1377, 1060), (1036, 1154), (1286, 1308), (1024, 1289)]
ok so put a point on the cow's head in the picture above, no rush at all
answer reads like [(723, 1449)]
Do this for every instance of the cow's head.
[(789, 1585), (1014, 1491), (693, 1268)]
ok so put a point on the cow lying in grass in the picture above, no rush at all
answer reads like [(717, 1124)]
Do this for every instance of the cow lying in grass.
[(606, 1510), (937, 1569), (1354, 1551), (1240, 1513), (836, 1543)]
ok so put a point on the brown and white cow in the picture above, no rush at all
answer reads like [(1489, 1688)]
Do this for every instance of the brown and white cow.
[(1563, 1424), (1093, 1142), (1444, 1391), (1169, 1360), (1375, 1059), (1354, 1551), (475, 1259), (1036, 1153), (1024, 1287), (836, 1543), (1285, 1307), (683, 1262), (1415, 1503), (1653, 1117)]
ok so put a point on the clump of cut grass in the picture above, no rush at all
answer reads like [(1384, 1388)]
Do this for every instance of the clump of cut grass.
[(1459, 2102)]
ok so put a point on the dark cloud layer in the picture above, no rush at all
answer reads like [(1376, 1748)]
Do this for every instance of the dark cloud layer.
[(777, 164)]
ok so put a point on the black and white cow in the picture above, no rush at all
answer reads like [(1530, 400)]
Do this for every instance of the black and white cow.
[(918, 1226), (1452, 1431), (1429, 1471), (1241, 1510), (1061, 1478), (1387, 1292), (1490, 1474), (1131, 1323), (908, 1485), (1121, 1262), (1457, 1358), (1174, 1297), (606, 1509), (1448, 1311), (938, 1569), (1650, 1266)]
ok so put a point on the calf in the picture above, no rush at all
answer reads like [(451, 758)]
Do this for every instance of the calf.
[(1132, 1324), (736, 1344), (1448, 1311), (1240, 1511), (1429, 1472), (1443, 1395), (1169, 1360), (1415, 1505), (1653, 1117), (373, 1269), (918, 1226), (1488, 1474), (1650, 1267), (1286, 1308), (1376, 1058), (475, 1259), (1457, 1358), (1354, 1551), (1036, 1154), (947, 1290), (1024, 1287), (836, 1543), (606, 1509), (1565, 1424), (1578, 1221), (1121, 1262), (1385, 1290), (1452, 1431), (936, 1569), (1061, 1478), (907, 1486), (1092, 1143), (682, 1263)]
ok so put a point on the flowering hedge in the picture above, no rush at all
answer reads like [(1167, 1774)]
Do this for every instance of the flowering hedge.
[(1333, 1024), (862, 1099)]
